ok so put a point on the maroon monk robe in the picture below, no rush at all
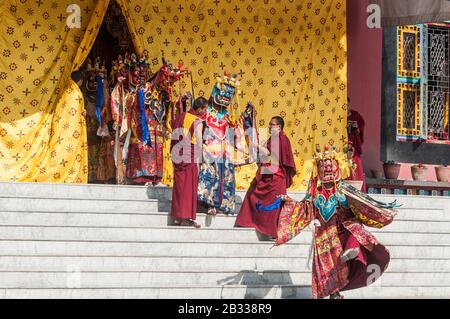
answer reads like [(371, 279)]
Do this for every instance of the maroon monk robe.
[(265, 189), (356, 140), (185, 183)]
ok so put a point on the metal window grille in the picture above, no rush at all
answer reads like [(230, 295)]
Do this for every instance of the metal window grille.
[(423, 82), (438, 82)]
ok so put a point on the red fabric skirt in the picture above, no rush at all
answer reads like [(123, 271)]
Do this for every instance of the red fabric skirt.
[(145, 163), (372, 259), (263, 190), (331, 240), (184, 194)]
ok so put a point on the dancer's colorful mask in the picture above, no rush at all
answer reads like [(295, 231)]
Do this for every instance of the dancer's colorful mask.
[(327, 164), (168, 75), (139, 71), (225, 90)]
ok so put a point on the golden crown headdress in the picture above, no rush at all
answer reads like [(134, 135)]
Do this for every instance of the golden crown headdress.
[(228, 78), (329, 152), (98, 67)]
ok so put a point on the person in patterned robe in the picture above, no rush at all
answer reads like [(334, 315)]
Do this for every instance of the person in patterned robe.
[(217, 184), (106, 170), (148, 107), (145, 157), (100, 153), (119, 114), (346, 255)]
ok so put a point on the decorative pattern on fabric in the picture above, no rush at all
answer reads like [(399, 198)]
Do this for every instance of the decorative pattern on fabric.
[(327, 208), (294, 65), (42, 130), (329, 275), (217, 185), (145, 161), (144, 124), (370, 212), (362, 236), (294, 217)]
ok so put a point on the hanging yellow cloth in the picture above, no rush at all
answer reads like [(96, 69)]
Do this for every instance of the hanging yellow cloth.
[(291, 56), (91, 33), (72, 167), (42, 131), (167, 178)]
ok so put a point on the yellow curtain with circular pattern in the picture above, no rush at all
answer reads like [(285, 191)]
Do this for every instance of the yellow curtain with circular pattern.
[(42, 130)]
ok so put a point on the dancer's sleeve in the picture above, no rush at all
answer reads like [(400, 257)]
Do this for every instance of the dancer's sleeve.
[(294, 217)]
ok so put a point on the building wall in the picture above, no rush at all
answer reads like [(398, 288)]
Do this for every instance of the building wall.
[(365, 55), (364, 78)]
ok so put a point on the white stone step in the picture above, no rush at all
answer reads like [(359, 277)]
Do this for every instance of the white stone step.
[(409, 226), (182, 234), (38, 263), (149, 219), (416, 202), (206, 249), (429, 221), (423, 214), (29, 204), (114, 192), (93, 264), (70, 248), (222, 292), (146, 279), (168, 292), (153, 234), (75, 191)]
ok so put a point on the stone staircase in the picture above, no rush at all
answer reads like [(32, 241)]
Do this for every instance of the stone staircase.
[(102, 241)]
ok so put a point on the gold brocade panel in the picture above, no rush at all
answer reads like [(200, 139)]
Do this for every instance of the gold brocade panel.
[(42, 131), (291, 56)]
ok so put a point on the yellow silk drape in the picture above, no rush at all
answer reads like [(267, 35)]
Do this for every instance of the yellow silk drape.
[(291, 56), (42, 131)]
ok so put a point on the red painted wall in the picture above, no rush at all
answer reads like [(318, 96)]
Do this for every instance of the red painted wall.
[(364, 68), (364, 78)]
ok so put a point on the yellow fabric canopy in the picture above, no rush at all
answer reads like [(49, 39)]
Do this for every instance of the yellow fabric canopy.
[(42, 131)]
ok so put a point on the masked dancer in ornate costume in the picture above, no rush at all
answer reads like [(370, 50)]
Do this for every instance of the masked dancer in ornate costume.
[(346, 255), (100, 154), (144, 164), (120, 78), (217, 176), (165, 109), (149, 103), (272, 180)]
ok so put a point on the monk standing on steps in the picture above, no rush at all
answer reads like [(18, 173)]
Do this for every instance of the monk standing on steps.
[(262, 204), (186, 132), (355, 128)]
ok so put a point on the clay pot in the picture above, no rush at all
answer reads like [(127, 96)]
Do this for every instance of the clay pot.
[(443, 173), (391, 171), (419, 173), (377, 174)]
